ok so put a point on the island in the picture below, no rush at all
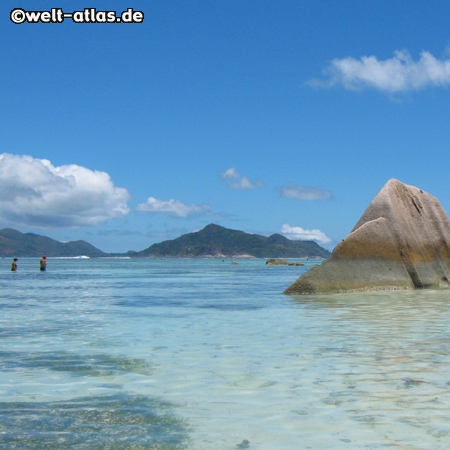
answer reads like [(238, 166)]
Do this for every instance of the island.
[(15, 243), (217, 241), (212, 241)]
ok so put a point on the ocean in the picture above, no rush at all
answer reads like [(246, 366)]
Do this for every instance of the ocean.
[(165, 354)]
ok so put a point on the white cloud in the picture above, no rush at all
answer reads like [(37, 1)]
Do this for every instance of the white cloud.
[(173, 207), (397, 74), (298, 233), (298, 192), (237, 181), (35, 193)]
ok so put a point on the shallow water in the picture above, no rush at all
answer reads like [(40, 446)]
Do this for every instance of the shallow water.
[(201, 354)]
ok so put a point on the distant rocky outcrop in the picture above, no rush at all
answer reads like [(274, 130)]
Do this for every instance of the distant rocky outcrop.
[(282, 262), (402, 241)]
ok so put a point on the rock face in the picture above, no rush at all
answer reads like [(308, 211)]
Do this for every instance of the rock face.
[(402, 241)]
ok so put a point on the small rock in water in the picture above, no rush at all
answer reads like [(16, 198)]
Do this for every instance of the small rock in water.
[(243, 444)]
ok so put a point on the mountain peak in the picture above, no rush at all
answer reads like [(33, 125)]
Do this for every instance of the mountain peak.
[(213, 227)]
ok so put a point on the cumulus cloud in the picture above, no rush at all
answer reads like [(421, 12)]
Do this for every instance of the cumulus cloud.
[(298, 233), (237, 181), (397, 74), (298, 192), (172, 207), (33, 192)]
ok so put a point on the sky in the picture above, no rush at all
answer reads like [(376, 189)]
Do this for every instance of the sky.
[(262, 116)]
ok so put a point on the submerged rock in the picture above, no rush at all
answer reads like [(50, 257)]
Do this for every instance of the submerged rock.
[(402, 241)]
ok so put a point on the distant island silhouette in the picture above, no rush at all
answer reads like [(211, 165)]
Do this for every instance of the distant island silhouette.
[(211, 241)]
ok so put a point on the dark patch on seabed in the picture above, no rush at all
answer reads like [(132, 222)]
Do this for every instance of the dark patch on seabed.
[(147, 301), (232, 307), (75, 364), (115, 422)]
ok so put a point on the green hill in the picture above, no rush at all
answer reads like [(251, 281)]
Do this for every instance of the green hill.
[(215, 240), (15, 243)]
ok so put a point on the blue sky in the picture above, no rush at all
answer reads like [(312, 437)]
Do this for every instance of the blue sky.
[(268, 117)]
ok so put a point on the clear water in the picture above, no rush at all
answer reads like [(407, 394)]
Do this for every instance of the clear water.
[(203, 354)]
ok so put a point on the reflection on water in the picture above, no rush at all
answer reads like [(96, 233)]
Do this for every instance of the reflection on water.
[(200, 354)]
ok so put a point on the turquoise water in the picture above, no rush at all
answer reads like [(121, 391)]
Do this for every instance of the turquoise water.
[(202, 354)]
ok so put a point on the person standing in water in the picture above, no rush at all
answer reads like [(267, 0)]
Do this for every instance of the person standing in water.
[(43, 263), (14, 265)]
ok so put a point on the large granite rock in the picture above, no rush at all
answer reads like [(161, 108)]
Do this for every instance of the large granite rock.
[(402, 241)]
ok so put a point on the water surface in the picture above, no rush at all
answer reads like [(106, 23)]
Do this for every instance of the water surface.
[(202, 354)]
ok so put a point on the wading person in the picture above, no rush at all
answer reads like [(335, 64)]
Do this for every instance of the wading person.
[(14, 265), (43, 263)]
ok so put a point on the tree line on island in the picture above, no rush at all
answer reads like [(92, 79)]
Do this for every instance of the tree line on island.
[(211, 241)]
